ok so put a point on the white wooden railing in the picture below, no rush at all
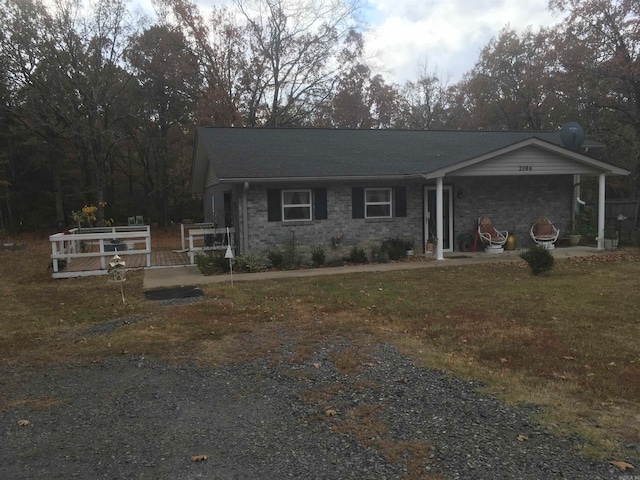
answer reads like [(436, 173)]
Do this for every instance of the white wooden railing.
[(184, 231), (101, 242), (218, 240)]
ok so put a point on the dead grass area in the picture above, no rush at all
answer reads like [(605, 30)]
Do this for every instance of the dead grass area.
[(566, 340), (367, 424)]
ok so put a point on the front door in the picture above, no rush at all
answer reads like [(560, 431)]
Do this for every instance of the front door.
[(447, 213)]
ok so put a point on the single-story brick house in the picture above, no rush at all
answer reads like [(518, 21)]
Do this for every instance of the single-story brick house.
[(338, 187)]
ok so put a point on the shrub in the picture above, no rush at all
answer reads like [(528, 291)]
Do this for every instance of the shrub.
[(276, 259), (540, 259), (211, 261), (249, 263), (395, 248), (358, 255), (379, 256), (318, 255)]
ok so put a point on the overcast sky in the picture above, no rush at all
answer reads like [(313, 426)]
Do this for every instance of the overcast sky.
[(446, 34)]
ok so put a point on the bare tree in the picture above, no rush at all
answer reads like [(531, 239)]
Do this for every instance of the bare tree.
[(294, 51), (425, 102)]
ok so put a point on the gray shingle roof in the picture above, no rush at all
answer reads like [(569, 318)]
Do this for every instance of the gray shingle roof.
[(261, 153)]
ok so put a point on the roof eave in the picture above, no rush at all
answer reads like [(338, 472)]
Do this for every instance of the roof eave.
[(336, 178)]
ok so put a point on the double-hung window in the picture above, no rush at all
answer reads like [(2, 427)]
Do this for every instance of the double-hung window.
[(296, 205), (377, 203)]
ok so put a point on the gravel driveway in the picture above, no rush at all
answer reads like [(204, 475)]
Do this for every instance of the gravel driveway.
[(133, 417)]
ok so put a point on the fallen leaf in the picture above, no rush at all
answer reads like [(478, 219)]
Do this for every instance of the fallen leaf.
[(522, 438), (199, 458), (403, 380), (621, 465), (331, 413), (23, 423), (569, 358), (316, 365), (368, 364), (504, 360)]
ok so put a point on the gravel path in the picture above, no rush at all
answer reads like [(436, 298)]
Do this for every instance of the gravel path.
[(137, 418)]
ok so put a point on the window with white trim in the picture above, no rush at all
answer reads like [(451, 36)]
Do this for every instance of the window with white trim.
[(296, 205), (377, 203)]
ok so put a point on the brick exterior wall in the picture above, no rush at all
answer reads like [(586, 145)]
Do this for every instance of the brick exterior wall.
[(513, 202), (365, 233), (508, 201)]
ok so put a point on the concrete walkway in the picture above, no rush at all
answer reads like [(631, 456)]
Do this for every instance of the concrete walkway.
[(190, 275)]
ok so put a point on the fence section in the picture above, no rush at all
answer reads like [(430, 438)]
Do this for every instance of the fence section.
[(101, 243)]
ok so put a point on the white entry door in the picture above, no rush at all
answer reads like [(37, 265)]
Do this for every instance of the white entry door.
[(447, 213)]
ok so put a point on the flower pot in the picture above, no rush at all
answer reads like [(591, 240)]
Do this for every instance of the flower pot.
[(574, 239), (510, 244)]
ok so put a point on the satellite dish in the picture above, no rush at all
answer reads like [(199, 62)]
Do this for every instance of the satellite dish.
[(572, 136)]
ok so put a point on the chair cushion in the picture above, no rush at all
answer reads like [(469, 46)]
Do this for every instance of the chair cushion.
[(490, 230), (543, 230)]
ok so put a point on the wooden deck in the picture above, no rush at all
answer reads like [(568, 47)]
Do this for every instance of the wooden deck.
[(80, 267)]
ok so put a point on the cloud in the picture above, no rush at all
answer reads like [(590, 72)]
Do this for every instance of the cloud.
[(447, 35)]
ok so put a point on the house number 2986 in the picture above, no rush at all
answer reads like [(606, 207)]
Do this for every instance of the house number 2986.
[(525, 168)]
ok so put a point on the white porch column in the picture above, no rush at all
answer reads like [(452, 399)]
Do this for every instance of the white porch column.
[(245, 221), (439, 226), (601, 195)]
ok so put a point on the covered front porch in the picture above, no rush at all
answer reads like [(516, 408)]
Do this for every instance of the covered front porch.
[(533, 177)]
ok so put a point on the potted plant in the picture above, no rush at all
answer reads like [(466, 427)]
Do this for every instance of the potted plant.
[(430, 246), (574, 237), (409, 247), (610, 238)]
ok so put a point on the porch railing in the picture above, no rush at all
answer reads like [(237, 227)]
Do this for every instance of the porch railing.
[(186, 227), (102, 242), (201, 239)]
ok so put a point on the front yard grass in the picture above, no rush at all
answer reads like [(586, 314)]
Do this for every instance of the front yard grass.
[(567, 340)]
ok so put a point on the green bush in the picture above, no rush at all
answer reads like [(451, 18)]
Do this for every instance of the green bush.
[(318, 255), (249, 263), (379, 256), (395, 248), (540, 259), (212, 261), (276, 259), (358, 255)]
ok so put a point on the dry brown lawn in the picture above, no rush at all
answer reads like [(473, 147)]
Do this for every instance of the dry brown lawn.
[(567, 341)]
